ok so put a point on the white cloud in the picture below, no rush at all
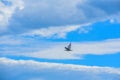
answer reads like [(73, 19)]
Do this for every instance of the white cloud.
[(94, 48), (6, 11), (55, 50), (57, 32), (32, 70), (9, 40)]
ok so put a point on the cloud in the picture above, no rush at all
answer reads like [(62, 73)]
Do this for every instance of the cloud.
[(94, 48), (32, 70), (75, 12), (10, 44), (9, 40), (56, 32), (55, 50), (42, 14), (7, 9)]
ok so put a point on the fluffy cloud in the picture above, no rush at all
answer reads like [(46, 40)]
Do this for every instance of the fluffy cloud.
[(7, 9), (32, 70), (44, 14)]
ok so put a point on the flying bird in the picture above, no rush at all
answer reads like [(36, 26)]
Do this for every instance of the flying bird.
[(68, 48)]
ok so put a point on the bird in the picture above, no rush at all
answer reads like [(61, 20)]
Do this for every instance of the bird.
[(68, 48)]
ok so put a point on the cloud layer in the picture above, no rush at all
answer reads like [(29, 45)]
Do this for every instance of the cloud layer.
[(79, 49), (46, 14), (55, 50), (32, 70), (59, 13)]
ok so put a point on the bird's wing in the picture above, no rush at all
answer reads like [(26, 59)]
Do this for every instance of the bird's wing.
[(69, 46)]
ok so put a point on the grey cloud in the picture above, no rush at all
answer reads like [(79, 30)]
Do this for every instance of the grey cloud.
[(109, 6)]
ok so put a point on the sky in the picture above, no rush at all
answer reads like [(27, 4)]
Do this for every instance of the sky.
[(33, 34)]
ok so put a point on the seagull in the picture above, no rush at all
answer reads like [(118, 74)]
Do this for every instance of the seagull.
[(68, 48)]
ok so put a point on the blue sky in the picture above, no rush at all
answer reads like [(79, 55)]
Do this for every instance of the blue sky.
[(36, 32)]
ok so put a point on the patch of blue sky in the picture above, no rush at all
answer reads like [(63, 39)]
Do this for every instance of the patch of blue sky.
[(100, 31)]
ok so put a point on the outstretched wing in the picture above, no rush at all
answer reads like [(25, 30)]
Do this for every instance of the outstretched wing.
[(69, 46)]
